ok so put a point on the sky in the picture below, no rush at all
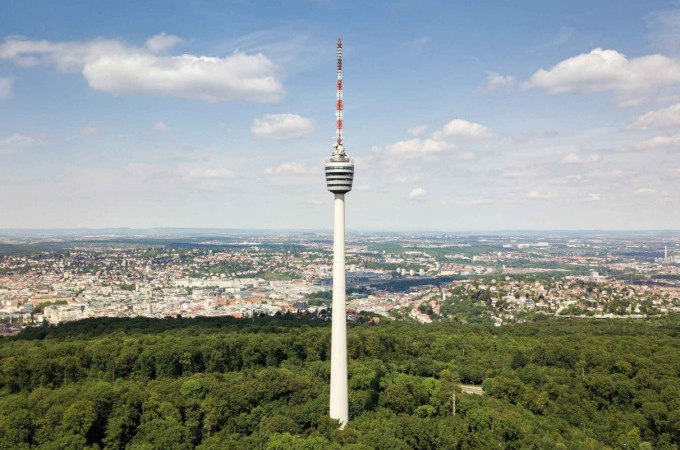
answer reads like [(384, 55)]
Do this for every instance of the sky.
[(460, 116)]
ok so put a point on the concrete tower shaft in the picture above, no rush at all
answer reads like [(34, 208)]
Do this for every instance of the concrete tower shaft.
[(339, 398)]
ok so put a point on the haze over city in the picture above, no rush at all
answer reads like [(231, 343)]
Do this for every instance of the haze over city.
[(528, 115)]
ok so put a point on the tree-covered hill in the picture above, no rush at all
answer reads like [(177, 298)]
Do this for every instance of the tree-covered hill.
[(229, 384)]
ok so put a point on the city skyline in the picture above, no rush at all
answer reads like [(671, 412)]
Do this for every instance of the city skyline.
[(553, 119)]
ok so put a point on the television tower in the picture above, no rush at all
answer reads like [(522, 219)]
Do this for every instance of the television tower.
[(339, 175)]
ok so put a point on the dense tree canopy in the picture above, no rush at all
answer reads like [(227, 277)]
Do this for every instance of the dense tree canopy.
[(228, 384)]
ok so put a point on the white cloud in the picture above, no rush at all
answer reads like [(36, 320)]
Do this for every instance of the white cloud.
[(417, 194), (662, 118), (645, 191), (290, 169), (417, 130), (608, 70), (594, 197), (282, 126), (16, 143), (674, 172), (445, 139), (160, 127), (112, 67), (210, 174), (414, 149), (536, 195), (6, 87), (89, 131), (658, 142), (496, 81), (238, 77), (162, 41), (576, 158), (459, 128)]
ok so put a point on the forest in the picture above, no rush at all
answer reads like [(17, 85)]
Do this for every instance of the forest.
[(222, 383)]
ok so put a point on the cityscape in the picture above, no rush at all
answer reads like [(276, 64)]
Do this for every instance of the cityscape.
[(496, 278)]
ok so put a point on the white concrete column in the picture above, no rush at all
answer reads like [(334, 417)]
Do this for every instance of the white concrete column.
[(339, 397)]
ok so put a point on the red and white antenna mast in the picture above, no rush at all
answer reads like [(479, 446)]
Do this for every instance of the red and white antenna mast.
[(338, 106)]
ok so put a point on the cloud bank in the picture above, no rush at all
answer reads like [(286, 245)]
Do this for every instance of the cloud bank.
[(111, 66), (445, 139), (608, 71), (668, 117)]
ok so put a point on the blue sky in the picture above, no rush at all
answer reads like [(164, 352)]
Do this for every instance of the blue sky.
[(460, 115)]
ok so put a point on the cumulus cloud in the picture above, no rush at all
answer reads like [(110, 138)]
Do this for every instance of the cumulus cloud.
[(115, 68), (496, 81), (658, 142), (289, 169), (661, 118), (238, 77), (162, 41), (459, 128), (576, 158), (608, 70), (16, 143), (6, 87), (417, 194), (160, 127), (445, 139), (210, 174), (282, 126)]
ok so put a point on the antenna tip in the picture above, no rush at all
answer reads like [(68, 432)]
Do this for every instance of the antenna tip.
[(339, 42)]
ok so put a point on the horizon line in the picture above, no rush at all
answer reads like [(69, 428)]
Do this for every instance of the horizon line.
[(328, 230)]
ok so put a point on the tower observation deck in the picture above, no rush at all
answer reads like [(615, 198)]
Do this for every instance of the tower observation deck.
[(339, 174)]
